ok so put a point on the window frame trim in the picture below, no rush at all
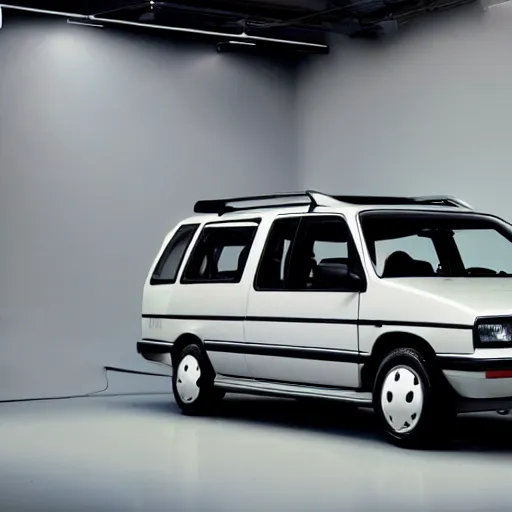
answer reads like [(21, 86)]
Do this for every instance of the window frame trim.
[(303, 217), (224, 224)]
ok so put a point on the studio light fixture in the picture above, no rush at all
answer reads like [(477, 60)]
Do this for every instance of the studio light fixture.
[(84, 22), (242, 43), (236, 46)]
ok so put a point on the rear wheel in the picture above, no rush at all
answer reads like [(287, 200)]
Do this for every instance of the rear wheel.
[(193, 382), (412, 401)]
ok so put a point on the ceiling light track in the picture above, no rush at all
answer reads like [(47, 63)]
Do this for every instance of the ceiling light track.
[(225, 35), (242, 37)]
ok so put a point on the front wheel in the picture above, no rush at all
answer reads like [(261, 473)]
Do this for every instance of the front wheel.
[(412, 401), (193, 382)]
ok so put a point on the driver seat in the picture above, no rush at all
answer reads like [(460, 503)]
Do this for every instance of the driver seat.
[(401, 264)]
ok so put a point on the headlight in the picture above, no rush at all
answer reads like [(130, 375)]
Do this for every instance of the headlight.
[(495, 333)]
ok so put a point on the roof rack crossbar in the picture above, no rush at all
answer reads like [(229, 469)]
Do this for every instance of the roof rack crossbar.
[(374, 200), (221, 206), (444, 200), (394, 200)]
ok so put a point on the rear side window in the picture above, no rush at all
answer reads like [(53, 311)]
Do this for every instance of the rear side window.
[(169, 264), (220, 255)]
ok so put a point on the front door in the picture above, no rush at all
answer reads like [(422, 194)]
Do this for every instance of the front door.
[(297, 329)]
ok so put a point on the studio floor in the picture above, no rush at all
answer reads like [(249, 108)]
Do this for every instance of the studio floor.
[(138, 453)]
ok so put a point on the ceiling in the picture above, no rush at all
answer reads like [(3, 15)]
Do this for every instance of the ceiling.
[(303, 24)]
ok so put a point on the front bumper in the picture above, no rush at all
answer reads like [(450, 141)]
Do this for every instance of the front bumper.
[(484, 375)]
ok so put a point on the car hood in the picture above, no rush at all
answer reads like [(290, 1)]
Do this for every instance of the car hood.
[(477, 295)]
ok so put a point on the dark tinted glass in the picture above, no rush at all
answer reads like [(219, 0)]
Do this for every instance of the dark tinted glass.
[(168, 267)]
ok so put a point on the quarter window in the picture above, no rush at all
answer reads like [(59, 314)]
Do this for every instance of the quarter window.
[(220, 254), (169, 264)]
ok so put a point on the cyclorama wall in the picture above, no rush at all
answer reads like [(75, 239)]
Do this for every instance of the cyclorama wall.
[(426, 111), (106, 140)]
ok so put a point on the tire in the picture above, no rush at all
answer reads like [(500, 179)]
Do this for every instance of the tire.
[(193, 382), (412, 401)]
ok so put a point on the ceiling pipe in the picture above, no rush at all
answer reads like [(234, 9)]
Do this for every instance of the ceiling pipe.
[(44, 11), (232, 37), (240, 37)]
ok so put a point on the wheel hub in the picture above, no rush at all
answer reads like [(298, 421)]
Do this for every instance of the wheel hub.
[(187, 379), (402, 399)]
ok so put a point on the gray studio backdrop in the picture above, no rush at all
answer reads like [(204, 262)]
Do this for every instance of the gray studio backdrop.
[(426, 112), (107, 140)]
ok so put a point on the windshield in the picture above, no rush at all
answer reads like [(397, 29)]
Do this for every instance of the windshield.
[(406, 244)]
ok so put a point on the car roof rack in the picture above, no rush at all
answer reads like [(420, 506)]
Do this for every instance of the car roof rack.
[(314, 199), (394, 200), (443, 201), (309, 198)]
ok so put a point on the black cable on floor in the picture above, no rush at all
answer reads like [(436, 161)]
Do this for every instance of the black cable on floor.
[(134, 372), (94, 393)]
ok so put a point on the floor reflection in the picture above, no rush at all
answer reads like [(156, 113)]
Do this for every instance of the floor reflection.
[(140, 454)]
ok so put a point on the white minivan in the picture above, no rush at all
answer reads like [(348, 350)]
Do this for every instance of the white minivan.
[(401, 304)]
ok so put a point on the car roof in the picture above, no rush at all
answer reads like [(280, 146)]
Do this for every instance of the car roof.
[(342, 208)]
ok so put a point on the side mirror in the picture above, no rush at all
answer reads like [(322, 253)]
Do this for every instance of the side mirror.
[(336, 275)]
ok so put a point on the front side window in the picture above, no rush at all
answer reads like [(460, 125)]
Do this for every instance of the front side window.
[(220, 254), (437, 244), (307, 254), (169, 264), (324, 247), (275, 260)]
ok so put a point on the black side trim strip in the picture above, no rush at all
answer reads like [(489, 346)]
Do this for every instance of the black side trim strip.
[(400, 323), (297, 320), (197, 317), (156, 340), (316, 354), (340, 321), (470, 364), (150, 346)]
